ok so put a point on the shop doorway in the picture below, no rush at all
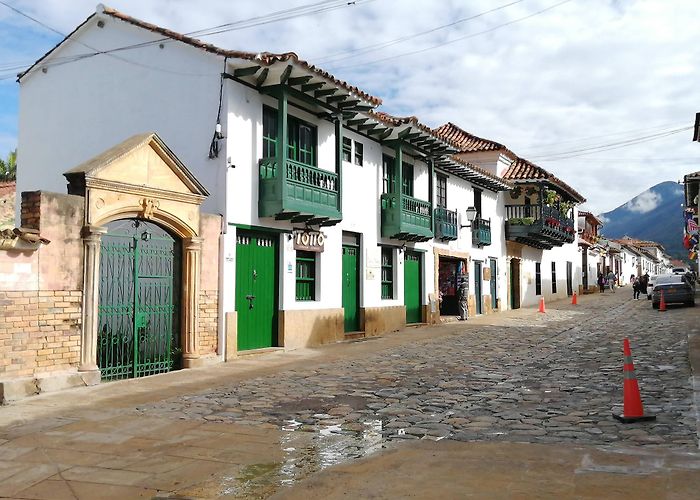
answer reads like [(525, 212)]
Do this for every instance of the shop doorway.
[(449, 272), (515, 283)]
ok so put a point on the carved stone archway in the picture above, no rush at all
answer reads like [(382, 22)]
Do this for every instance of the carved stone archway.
[(139, 178)]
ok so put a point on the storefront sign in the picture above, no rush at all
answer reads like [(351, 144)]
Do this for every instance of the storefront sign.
[(308, 241)]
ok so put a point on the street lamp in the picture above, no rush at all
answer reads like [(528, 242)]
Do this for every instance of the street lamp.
[(471, 215)]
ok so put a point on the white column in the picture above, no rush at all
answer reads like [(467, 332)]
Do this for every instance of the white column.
[(92, 236), (190, 300)]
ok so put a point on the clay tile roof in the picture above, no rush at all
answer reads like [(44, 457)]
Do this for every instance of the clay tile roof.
[(262, 58), (466, 142), (522, 169), (590, 216)]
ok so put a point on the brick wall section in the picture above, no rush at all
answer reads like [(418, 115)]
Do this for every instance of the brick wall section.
[(208, 321), (39, 332), (30, 211)]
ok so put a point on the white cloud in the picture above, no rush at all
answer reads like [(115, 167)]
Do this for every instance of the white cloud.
[(645, 202), (603, 219), (573, 77)]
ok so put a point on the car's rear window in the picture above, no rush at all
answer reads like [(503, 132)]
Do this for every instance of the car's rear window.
[(669, 280)]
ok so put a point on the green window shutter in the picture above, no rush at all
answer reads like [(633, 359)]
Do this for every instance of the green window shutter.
[(269, 132), (441, 191), (387, 273), (407, 179), (347, 149), (359, 153), (388, 176), (306, 276)]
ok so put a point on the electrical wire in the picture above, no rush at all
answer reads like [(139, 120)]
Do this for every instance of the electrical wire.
[(282, 15), (381, 45), (454, 40), (608, 147)]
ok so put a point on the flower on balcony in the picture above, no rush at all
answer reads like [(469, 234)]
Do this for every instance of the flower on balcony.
[(569, 229), (552, 221)]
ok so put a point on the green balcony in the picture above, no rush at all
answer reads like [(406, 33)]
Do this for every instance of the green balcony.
[(538, 226), (406, 218), (445, 224), (301, 193), (481, 232)]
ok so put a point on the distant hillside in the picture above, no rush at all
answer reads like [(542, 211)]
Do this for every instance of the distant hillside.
[(654, 215)]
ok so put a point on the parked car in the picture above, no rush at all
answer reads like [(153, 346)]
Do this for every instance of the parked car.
[(676, 289), (680, 270)]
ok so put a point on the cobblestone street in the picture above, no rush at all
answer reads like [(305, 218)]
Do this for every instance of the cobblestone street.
[(555, 380), (547, 379)]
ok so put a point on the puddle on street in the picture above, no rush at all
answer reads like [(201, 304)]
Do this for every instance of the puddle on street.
[(307, 450)]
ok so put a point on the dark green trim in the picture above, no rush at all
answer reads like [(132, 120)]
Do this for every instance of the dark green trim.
[(312, 86), (431, 175), (282, 138), (298, 80), (325, 92), (262, 229), (286, 74), (262, 77), (250, 70), (339, 159)]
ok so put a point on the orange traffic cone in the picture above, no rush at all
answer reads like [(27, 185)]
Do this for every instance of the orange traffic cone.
[(542, 305), (662, 302), (633, 410), (574, 300)]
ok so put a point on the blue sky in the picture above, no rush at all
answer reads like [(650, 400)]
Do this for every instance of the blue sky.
[(555, 86)]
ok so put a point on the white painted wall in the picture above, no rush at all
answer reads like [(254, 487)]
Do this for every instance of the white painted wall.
[(75, 111)]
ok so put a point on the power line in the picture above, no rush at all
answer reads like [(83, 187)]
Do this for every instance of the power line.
[(608, 147), (454, 40), (347, 54), (282, 15), (542, 149)]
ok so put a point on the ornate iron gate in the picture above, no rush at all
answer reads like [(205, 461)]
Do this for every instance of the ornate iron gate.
[(139, 299)]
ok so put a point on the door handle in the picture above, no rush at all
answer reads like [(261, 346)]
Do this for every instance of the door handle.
[(250, 299)]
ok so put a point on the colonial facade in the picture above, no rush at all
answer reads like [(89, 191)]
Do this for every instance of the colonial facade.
[(335, 219), (539, 218)]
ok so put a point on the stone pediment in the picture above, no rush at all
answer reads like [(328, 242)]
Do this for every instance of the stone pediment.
[(142, 162), (139, 178)]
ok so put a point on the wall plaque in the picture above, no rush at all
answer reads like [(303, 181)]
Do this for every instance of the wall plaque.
[(308, 241)]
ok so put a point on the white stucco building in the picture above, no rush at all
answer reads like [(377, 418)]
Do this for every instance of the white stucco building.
[(337, 219)]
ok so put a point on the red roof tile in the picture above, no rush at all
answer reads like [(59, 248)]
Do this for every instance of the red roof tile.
[(522, 169), (466, 142), (263, 58)]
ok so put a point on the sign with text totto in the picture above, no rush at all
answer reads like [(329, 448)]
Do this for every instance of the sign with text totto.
[(308, 241)]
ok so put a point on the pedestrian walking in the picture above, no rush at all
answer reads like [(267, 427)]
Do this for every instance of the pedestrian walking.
[(636, 288), (611, 281), (601, 282), (463, 297)]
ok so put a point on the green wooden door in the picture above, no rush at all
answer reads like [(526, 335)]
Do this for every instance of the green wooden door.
[(139, 306), (493, 284), (256, 289), (351, 294), (477, 287), (411, 283)]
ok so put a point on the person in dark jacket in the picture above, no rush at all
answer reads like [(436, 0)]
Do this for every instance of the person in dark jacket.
[(601, 282)]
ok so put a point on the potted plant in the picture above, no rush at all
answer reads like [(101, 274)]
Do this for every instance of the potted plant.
[(550, 197)]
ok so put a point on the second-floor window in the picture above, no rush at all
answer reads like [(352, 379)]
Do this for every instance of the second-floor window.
[(359, 153), (442, 191), (347, 148), (301, 137), (477, 203), (389, 177)]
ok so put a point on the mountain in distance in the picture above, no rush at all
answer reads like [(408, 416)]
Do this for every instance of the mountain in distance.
[(654, 215)]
